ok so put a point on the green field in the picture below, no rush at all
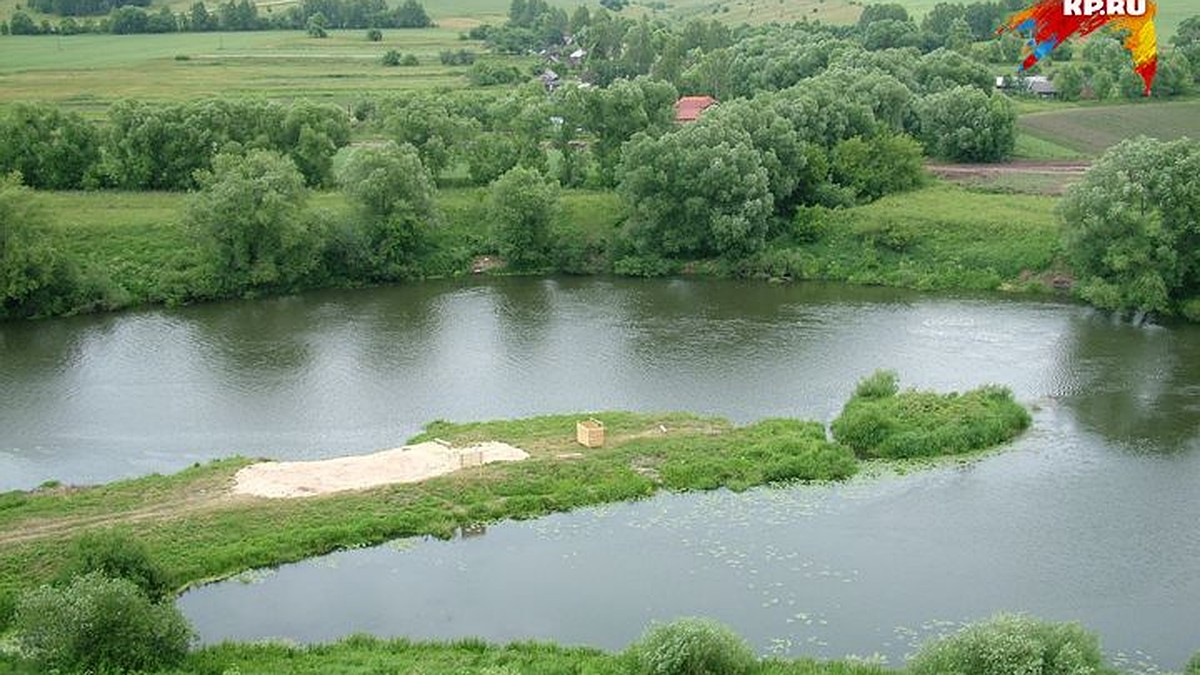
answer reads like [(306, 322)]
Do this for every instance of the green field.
[(1089, 131), (88, 72)]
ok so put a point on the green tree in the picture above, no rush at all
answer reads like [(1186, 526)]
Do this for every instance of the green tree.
[(697, 192), (33, 279), (882, 12), (391, 58), (966, 125), (615, 113), (374, 35), (1187, 39), (959, 36), (96, 624), (394, 193), (250, 217), (943, 69), (877, 166), (21, 24), (52, 149), (316, 25), (1070, 80), (429, 124), (490, 155), (523, 206), (311, 134), (1132, 228), (412, 14)]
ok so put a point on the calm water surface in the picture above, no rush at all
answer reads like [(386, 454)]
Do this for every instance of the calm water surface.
[(1094, 515)]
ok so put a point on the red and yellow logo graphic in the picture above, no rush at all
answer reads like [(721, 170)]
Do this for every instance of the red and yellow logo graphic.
[(1052, 21)]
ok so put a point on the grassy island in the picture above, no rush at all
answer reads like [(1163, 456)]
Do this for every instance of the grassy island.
[(198, 529)]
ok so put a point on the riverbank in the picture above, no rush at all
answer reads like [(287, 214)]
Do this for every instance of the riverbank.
[(197, 527), (132, 250)]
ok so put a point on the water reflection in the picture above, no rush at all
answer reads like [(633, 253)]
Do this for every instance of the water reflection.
[(1138, 386)]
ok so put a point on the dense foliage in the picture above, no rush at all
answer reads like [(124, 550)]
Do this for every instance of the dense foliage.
[(881, 421), (394, 194), (1132, 228), (248, 215), (97, 624), (966, 125), (34, 278), (1008, 644), (691, 646), (162, 146), (116, 555), (523, 205)]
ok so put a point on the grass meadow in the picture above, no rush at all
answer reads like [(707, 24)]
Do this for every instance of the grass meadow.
[(86, 73)]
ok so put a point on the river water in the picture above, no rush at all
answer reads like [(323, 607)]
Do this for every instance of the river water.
[(1094, 515)]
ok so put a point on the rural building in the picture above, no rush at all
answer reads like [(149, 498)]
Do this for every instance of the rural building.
[(688, 108)]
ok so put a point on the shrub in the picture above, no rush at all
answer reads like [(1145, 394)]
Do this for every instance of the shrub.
[(1008, 644), (691, 646), (116, 555), (374, 35), (880, 384), (1193, 665), (99, 624), (391, 58), (410, 60), (880, 422)]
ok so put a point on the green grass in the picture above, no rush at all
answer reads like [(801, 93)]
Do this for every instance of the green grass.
[(881, 421), (940, 237), (361, 655), (89, 72), (1031, 147), (1091, 130)]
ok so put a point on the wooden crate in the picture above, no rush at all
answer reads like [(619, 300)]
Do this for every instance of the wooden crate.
[(590, 433)]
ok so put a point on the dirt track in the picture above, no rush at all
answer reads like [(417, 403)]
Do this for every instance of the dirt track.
[(1060, 168)]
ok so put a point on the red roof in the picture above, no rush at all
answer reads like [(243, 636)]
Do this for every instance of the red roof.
[(688, 108)]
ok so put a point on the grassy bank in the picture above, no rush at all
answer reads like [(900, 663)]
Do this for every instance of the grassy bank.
[(368, 655), (197, 529), (940, 237)]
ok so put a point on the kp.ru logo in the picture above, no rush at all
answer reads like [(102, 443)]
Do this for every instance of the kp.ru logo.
[(1104, 7), (1052, 21)]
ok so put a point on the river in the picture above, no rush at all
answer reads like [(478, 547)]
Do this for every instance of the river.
[(1093, 515)]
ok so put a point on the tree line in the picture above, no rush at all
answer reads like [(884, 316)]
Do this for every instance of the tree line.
[(132, 17)]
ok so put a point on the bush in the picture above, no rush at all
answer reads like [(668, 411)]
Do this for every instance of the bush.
[(461, 57), (410, 60), (880, 384), (880, 422), (374, 35), (99, 624), (691, 646), (1008, 644), (391, 58), (1193, 665), (116, 555)]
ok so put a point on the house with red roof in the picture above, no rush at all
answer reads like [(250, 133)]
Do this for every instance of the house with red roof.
[(688, 108)]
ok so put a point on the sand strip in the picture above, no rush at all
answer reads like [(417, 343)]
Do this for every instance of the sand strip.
[(409, 464)]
